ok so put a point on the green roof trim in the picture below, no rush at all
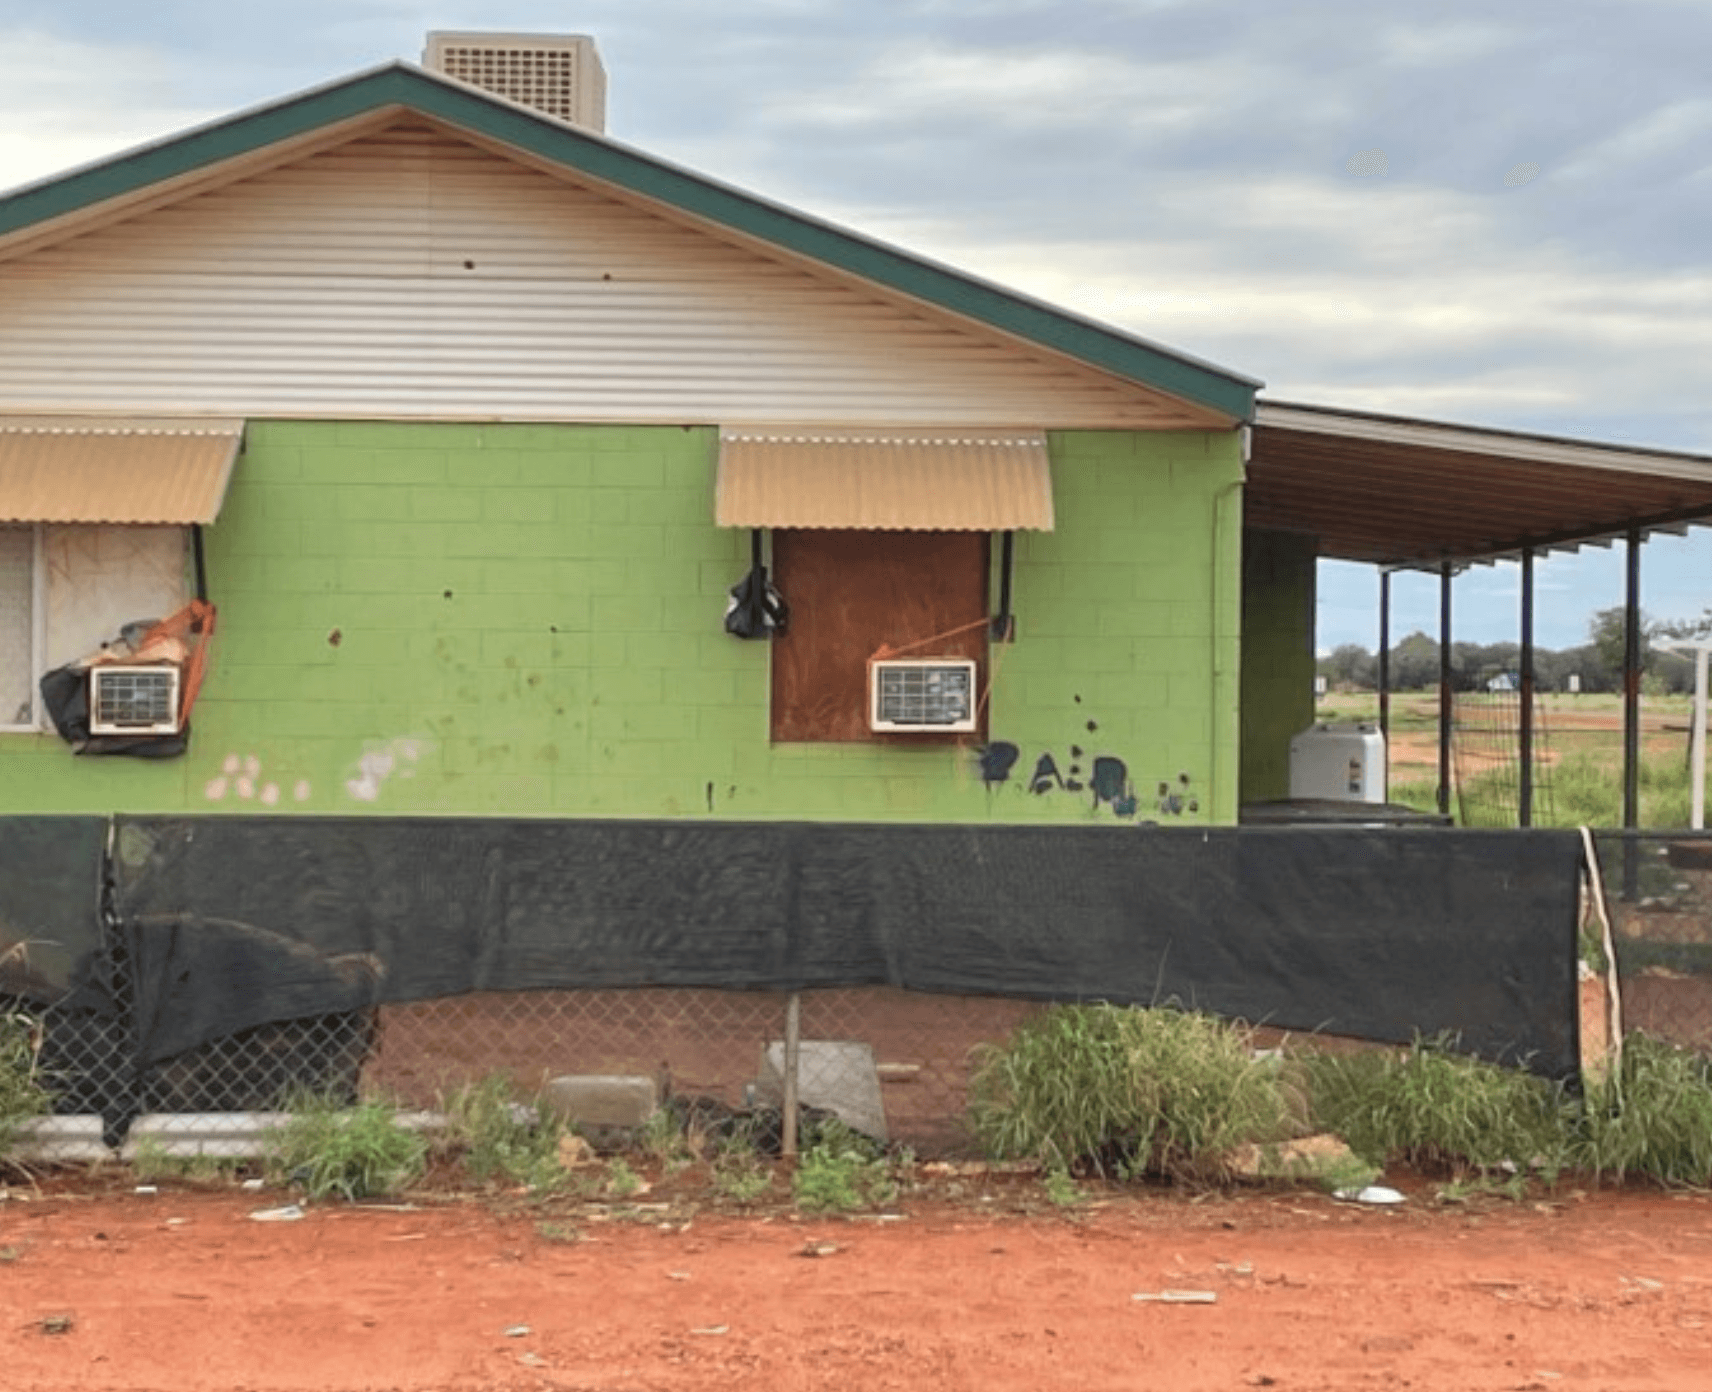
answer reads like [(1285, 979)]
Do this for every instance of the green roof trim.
[(402, 85)]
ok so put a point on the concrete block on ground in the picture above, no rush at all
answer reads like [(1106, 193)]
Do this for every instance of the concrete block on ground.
[(47, 1140), (835, 1075), (602, 1101)]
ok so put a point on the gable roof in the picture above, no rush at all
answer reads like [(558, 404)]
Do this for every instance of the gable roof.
[(153, 172)]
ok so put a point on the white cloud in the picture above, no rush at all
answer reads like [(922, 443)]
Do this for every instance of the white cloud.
[(67, 103)]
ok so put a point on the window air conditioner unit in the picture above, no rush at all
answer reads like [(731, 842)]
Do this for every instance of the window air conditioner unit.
[(133, 700), (910, 695)]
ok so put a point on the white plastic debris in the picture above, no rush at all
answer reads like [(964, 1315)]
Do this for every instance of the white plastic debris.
[(1372, 1194), (290, 1213)]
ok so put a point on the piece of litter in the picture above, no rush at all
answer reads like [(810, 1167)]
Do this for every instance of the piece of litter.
[(518, 1331), (713, 1329), (57, 1324), (176, 1222), (1372, 1194), (677, 1275), (818, 1249), (254, 1186), (531, 1360), (1178, 1297), (290, 1213), (145, 1189), (1644, 1283)]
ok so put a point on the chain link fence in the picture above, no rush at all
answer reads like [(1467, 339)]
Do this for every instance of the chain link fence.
[(894, 1064), (1659, 887)]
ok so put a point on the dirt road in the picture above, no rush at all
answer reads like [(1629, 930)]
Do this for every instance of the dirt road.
[(182, 1290)]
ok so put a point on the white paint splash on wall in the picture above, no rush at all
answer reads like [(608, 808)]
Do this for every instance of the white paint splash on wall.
[(241, 774), (379, 764)]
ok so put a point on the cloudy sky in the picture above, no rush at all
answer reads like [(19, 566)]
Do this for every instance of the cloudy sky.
[(1482, 213)]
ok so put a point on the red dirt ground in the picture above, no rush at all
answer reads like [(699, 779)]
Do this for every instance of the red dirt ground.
[(989, 1290)]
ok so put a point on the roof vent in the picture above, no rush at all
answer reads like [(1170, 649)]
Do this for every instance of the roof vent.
[(560, 74)]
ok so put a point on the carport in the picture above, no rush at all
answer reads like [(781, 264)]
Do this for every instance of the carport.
[(1405, 494)]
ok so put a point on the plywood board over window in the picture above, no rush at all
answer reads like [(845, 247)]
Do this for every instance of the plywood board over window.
[(852, 592)]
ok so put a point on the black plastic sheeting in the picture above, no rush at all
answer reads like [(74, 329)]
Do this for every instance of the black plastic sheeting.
[(51, 871), (228, 923)]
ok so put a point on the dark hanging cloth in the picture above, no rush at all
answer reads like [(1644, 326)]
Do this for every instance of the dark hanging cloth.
[(756, 609)]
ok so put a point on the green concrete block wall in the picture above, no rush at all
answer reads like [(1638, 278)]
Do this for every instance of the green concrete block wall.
[(1277, 657), (526, 621)]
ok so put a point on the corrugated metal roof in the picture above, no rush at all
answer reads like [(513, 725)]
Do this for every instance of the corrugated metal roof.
[(110, 469), (885, 480)]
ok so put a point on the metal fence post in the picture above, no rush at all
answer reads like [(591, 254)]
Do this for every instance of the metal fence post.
[(793, 1052)]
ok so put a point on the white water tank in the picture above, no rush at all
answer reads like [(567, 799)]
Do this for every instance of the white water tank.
[(1344, 763)]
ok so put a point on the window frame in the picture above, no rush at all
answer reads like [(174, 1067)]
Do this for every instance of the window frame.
[(38, 630)]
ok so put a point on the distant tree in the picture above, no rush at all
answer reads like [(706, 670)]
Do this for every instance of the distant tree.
[(1350, 665), (1687, 628), (1607, 632), (1415, 663)]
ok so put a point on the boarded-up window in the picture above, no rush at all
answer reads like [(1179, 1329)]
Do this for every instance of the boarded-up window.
[(102, 578), (850, 592), (98, 579)]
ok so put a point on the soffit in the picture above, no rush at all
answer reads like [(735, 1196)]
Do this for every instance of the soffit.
[(885, 480), (115, 470), (1395, 491)]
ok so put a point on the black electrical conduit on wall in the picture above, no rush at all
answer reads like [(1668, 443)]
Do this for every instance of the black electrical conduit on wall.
[(225, 923)]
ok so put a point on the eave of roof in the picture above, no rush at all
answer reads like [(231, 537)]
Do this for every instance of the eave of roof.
[(405, 87), (1396, 491)]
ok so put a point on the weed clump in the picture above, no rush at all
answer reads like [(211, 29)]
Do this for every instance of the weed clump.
[(501, 1139), (1127, 1092), (1652, 1119), (842, 1170), (1437, 1110), (353, 1152), (22, 1095)]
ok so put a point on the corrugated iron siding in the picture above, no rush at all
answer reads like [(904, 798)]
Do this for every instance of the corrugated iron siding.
[(885, 479), (57, 469), (409, 273)]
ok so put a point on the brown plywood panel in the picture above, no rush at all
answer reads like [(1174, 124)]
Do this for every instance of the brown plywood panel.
[(850, 592)]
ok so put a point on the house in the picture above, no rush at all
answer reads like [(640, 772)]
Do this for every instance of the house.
[(619, 575), (468, 420)]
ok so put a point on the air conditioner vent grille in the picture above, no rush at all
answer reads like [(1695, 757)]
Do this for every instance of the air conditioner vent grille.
[(934, 696), (133, 700)]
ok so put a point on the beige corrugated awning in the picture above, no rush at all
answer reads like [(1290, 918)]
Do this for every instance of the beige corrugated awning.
[(885, 480), (115, 469)]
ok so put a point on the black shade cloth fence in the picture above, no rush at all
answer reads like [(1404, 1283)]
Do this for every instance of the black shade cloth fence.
[(227, 923)]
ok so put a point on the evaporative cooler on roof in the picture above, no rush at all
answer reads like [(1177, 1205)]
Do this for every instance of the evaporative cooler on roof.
[(560, 74)]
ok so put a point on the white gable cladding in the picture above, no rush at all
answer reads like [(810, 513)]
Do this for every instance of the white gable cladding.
[(411, 274)]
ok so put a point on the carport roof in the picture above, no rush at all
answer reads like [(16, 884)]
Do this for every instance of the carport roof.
[(1395, 491)]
